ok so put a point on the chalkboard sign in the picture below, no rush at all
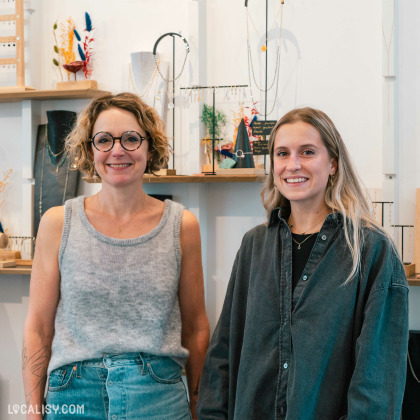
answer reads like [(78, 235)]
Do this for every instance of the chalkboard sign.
[(260, 147), (262, 128)]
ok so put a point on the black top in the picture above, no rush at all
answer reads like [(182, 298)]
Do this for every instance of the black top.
[(301, 256)]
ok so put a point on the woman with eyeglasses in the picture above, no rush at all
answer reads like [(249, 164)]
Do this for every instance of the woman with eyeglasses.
[(315, 320), (116, 306)]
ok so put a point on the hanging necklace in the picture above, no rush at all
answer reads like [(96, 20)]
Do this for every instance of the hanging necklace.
[(149, 86), (307, 230), (53, 156), (187, 48), (276, 77), (45, 146), (300, 243)]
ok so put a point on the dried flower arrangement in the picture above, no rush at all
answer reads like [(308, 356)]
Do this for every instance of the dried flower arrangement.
[(85, 52), (66, 56), (57, 61), (4, 183)]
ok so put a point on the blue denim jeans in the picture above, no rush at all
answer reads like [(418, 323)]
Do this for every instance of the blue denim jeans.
[(126, 386)]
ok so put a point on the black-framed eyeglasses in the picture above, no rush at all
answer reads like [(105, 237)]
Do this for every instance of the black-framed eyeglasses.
[(130, 140)]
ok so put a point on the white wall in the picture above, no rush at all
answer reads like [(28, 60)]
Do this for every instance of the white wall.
[(331, 59)]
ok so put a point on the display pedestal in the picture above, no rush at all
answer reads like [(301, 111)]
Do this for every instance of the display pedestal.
[(166, 172), (409, 269), (77, 85), (241, 171)]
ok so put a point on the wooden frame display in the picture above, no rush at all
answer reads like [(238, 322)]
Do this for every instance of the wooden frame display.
[(18, 39)]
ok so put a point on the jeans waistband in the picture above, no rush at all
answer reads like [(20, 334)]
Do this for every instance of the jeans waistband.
[(108, 360)]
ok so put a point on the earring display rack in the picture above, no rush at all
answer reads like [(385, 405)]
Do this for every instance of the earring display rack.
[(383, 208), (408, 266), (18, 40), (213, 88)]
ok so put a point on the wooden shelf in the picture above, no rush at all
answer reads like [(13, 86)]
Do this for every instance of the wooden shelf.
[(180, 179), (16, 270), (413, 281), (46, 95)]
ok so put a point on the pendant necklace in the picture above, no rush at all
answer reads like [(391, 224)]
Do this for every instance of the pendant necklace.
[(45, 146), (303, 233), (300, 243), (53, 156)]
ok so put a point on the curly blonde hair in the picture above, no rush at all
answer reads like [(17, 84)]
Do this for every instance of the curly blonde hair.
[(78, 140), (344, 195)]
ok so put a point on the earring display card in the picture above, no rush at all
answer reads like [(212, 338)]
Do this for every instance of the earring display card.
[(7, 28), (7, 50), (7, 75)]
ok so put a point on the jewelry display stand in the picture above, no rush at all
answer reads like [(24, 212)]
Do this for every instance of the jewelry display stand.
[(77, 85), (55, 180), (171, 104), (17, 62), (382, 209), (409, 268), (213, 140)]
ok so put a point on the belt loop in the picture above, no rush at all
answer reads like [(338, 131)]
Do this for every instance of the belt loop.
[(78, 369), (144, 363)]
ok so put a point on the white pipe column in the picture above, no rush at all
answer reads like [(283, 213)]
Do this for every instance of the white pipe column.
[(390, 105)]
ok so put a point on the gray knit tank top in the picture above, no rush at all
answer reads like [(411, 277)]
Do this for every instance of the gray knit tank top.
[(118, 295)]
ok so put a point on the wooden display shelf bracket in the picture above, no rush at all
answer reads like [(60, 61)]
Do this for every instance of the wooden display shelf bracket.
[(195, 179)]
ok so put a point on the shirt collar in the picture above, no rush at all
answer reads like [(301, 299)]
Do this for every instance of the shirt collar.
[(283, 213)]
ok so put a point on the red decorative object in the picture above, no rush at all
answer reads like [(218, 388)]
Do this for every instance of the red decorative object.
[(74, 67)]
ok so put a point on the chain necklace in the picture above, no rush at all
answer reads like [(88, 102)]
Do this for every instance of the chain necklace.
[(187, 48), (307, 230), (45, 146), (120, 227), (300, 243), (412, 369), (53, 156), (149, 86)]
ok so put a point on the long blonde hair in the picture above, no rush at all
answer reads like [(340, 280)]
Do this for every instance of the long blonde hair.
[(344, 195)]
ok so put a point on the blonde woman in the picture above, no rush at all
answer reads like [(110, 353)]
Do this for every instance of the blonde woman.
[(116, 305), (315, 320)]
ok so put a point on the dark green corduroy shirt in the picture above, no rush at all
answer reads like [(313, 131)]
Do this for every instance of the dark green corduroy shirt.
[(341, 352)]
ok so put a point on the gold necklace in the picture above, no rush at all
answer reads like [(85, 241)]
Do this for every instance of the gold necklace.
[(307, 230), (120, 227), (300, 243)]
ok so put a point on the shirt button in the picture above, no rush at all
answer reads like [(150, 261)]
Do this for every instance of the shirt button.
[(110, 383), (324, 237), (114, 416), (305, 277), (285, 365)]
